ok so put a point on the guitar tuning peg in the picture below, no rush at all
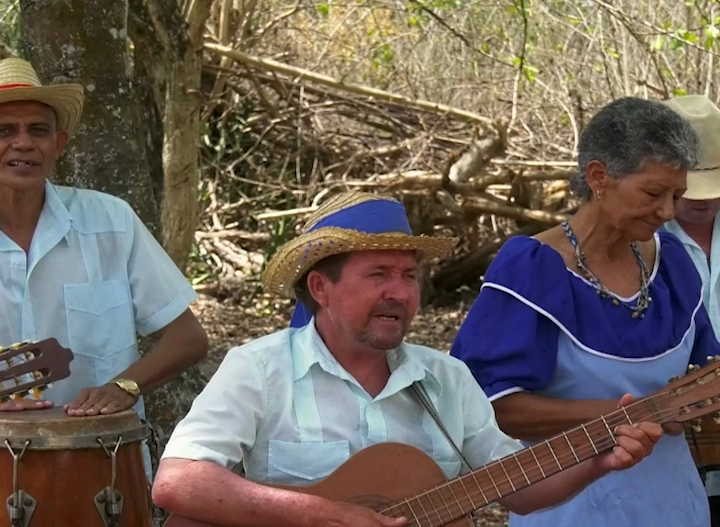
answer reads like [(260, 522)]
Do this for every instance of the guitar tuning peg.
[(674, 378), (696, 425), (692, 367), (716, 418)]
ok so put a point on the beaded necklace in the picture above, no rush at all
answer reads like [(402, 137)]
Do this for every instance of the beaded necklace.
[(644, 297)]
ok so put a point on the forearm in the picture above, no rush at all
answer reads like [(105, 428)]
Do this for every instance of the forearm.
[(555, 489), (206, 492), (528, 416), (182, 344)]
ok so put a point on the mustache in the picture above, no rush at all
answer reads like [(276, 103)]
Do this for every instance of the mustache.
[(390, 308)]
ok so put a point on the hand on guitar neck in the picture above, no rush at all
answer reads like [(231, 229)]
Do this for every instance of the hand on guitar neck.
[(28, 369)]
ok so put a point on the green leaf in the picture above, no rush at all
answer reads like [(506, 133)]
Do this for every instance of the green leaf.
[(658, 43), (679, 92), (676, 43), (323, 9)]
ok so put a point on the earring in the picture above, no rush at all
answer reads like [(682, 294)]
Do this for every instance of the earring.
[(598, 194)]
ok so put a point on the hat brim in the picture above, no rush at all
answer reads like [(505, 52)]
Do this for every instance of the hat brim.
[(298, 256), (65, 99), (703, 184)]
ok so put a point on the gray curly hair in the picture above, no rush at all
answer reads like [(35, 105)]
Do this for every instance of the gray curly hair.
[(630, 132)]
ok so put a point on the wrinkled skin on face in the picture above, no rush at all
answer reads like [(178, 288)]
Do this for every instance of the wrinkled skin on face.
[(697, 212), (640, 203), (29, 144), (374, 300)]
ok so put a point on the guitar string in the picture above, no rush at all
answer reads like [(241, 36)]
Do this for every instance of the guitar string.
[(437, 514), (560, 459)]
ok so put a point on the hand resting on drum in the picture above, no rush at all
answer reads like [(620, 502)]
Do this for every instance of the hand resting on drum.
[(25, 404), (107, 399)]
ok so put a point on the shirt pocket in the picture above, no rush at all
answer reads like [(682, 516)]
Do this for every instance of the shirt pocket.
[(304, 463), (100, 319)]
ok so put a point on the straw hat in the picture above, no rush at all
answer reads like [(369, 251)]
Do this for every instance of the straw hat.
[(19, 82), (352, 221), (704, 180)]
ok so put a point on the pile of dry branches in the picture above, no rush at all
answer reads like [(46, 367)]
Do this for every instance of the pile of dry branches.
[(282, 140)]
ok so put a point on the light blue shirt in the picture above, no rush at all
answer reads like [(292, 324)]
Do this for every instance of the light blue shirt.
[(709, 272), (94, 278), (285, 409)]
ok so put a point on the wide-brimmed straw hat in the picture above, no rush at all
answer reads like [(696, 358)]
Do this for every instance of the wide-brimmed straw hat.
[(348, 222), (703, 181), (19, 82)]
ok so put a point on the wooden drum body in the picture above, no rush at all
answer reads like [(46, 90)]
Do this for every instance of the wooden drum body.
[(705, 444), (65, 469)]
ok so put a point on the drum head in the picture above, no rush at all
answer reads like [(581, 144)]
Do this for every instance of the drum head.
[(53, 429)]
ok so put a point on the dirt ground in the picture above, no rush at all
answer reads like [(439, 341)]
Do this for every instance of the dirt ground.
[(240, 312)]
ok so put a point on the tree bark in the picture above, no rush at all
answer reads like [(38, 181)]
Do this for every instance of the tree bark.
[(169, 51)]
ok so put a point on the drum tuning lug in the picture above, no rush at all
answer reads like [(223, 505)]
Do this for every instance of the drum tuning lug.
[(21, 515), (110, 509)]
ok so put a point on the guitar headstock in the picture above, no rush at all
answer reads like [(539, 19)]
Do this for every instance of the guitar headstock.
[(692, 396), (31, 367)]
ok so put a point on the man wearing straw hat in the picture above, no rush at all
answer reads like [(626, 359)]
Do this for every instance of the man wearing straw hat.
[(289, 408), (79, 265), (697, 226)]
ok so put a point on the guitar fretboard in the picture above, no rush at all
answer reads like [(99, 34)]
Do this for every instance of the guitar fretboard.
[(460, 496)]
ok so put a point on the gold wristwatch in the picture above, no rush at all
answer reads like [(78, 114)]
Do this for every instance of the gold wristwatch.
[(129, 386)]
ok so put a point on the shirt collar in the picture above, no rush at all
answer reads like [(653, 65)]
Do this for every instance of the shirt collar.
[(674, 227), (54, 221), (308, 349)]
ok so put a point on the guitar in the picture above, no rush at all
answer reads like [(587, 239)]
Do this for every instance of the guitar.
[(400, 480), (32, 367)]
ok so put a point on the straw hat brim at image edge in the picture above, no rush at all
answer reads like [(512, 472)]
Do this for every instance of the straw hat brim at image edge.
[(65, 99), (297, 256), (703, 184)]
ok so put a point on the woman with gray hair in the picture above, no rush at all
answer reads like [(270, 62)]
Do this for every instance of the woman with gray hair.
[(605, 304)]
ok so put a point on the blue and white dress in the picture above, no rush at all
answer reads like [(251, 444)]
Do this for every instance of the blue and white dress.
[(537, 326)]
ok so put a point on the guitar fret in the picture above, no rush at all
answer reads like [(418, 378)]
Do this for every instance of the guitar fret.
[(439, 493), (626, 415), (502, 465), (590, 439), (425, 514), (493, 482), (571, 447), (480, 487), (412, 511), (553, 454), (532, 451), (469, 496), (521, 468), (612, 436)]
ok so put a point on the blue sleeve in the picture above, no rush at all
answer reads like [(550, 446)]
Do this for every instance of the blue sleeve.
[(706, 344), (506, 344)]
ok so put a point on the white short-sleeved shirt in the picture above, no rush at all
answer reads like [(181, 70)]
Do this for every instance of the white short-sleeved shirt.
[(94, 278), (286, 410)]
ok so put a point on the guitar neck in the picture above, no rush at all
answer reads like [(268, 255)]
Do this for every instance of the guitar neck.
[(460, 496)]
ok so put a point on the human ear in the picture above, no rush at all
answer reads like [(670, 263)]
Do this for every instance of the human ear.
[(317, 285)]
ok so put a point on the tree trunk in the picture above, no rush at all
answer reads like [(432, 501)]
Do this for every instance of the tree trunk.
[(85, 42), (163, 36)]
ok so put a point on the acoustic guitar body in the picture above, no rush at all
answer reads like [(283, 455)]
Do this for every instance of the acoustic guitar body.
[(377, 477), (382, 474)]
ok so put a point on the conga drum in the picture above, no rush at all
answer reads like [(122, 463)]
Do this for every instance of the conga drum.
[(58, 470)]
